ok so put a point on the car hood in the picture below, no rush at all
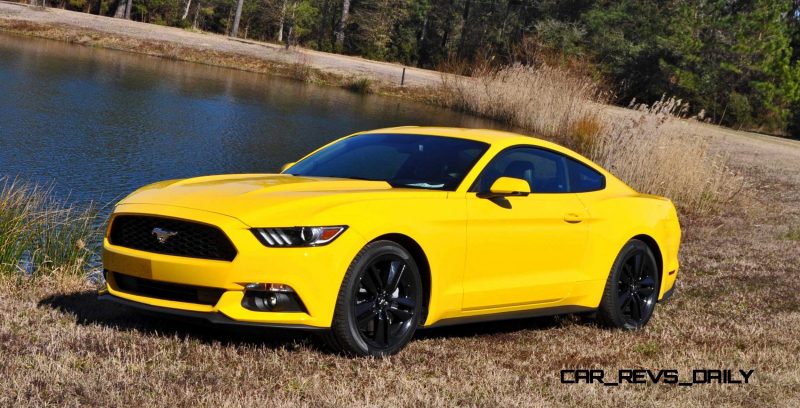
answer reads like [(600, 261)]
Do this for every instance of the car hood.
[(256, 198)]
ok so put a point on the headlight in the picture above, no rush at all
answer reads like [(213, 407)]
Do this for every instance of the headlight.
[(298, 236)]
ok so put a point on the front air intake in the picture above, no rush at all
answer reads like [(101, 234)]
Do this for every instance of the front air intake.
[(167, 291)]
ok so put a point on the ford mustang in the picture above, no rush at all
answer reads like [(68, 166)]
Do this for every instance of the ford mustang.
[(380, 233)]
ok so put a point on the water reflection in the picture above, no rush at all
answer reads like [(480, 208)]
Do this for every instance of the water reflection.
[(100, 123)]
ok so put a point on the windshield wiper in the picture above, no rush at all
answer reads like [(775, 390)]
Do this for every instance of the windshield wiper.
[(423, 185)]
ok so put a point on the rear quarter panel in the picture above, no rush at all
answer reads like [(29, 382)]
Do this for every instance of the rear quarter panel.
[(617, 219)]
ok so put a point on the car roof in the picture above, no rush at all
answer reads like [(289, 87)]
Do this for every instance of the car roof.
[(490, 136), (497, 138)]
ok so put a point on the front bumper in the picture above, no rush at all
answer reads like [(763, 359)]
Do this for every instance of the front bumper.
[(314, 273), (210, 317)]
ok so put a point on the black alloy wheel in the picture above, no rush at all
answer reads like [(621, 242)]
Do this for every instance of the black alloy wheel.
[(631, 291), (385, 304), (378, 309)]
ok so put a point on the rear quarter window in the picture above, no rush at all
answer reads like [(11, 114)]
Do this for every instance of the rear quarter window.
[(583, 178)]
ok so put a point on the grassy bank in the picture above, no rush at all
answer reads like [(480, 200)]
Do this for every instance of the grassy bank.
[(298, 68), (42, 235)]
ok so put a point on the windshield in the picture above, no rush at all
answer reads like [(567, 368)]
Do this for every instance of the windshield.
[(414, 161)]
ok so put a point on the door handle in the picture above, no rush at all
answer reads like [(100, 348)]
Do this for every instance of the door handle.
[(572, 218)]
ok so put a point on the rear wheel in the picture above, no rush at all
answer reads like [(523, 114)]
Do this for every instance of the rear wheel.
[(631, 291), (379, 303)]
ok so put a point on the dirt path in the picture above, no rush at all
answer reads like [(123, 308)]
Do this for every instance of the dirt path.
[(746, 146), (340, 65)]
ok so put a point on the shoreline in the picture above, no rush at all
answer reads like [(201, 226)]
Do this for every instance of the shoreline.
[(354, 73)]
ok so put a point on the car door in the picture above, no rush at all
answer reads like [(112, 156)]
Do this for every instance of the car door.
[(523, 250)]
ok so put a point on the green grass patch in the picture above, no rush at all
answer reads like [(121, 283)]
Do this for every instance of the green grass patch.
[(649, 348), (793, 234), (40, 233), (359, 85)]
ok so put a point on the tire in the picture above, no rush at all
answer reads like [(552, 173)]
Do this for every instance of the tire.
[(631, 291), (379, 302)]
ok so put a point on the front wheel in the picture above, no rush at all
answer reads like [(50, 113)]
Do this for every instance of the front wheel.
[(631, 291), (379, 303)]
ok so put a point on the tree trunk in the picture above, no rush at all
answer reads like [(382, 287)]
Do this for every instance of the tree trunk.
[(322, 26), (291, 26), (724, 111), (128, 10), (464, 24), (342, 23), (120, 11), (280, 23), (424, 28), (236, 19), (448, 25), (505, 21), (196, 14), (186, 10)]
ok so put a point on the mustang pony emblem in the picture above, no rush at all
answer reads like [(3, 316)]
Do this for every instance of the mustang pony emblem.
[(163, 235)]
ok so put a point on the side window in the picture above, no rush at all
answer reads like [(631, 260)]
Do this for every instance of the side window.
[(545, 171), (583, 178)]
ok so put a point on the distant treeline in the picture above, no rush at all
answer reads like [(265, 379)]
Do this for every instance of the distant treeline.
[(733, 60)]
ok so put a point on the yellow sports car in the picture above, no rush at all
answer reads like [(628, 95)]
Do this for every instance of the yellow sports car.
[(382, 232)]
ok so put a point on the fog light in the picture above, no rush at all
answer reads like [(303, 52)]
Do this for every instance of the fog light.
[(271, 297)]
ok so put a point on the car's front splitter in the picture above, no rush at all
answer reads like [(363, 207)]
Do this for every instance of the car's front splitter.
[(211, 317)]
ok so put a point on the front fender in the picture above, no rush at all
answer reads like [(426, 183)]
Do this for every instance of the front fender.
[(438, 226)]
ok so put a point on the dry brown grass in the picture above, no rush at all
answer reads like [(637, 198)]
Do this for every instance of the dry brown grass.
[(546, 101), (737, 307), (648, 148), (654, 153), (301, 70)]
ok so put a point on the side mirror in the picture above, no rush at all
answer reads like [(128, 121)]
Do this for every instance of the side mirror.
[(286, 166), (507, 187)]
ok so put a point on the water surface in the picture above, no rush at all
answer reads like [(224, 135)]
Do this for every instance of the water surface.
[(100, 123)]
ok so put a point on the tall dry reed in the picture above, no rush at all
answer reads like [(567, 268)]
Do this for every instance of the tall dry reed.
[(41, 234), (654, 154), (544, 100), (647, 147)]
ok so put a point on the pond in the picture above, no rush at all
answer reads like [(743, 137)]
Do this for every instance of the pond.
[(97, 124)]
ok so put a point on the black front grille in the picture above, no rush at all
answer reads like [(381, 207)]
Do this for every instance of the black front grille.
[(178, 237), (167, 291)]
